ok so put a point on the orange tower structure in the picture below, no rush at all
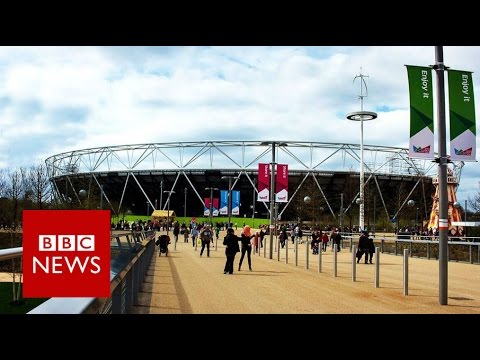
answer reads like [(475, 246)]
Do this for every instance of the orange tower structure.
[(453, 213)]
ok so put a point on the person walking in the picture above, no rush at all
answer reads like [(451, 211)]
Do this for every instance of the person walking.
[(371, 249), (231, 248), (206, 235), (363, 247), (246, 247)]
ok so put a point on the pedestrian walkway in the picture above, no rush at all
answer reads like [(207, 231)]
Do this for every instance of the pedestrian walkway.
[(185, 283)]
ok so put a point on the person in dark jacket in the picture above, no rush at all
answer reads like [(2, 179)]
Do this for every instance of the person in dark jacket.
[(246, 247), (371, 249), (231, 248), (363, 247)]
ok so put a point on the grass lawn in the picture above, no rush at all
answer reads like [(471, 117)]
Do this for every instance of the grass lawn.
[(6, 297)]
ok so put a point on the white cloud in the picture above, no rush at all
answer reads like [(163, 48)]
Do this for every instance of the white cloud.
[(81, 97)]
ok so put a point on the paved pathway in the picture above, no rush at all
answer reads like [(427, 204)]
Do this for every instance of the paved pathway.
[(185, 283)]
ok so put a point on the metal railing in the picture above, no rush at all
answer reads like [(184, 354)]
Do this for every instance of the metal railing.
[(127, 273)]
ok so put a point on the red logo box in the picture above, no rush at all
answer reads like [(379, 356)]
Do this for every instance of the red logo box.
[(66, 253)]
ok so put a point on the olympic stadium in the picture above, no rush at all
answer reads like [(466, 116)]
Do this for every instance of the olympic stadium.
[(140, 178)]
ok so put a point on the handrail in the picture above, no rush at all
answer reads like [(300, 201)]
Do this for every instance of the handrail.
[(11, 253)]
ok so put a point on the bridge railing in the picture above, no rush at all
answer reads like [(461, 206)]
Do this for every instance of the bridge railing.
[(129, 265)]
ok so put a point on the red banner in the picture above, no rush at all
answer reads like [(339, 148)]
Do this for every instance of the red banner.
[(206, 209), (281, 184), (263, 182)]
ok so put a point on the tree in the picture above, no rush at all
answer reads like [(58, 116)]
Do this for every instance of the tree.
[(37, 181), (475, 201), (14, 190)]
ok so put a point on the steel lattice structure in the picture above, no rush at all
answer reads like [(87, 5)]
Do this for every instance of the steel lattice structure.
[(131, 174)]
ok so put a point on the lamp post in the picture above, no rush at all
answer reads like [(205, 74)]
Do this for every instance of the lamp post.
[(148, 205), (170, 192), (185, 204), (253, 204), (161, 194), (361, 116), (229, 206), (210, 211), (272, 190)]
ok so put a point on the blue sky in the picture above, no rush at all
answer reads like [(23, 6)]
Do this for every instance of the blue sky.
[(56, 99)]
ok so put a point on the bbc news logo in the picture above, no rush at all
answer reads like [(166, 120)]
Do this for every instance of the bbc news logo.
[(61, 264), (66, 253)]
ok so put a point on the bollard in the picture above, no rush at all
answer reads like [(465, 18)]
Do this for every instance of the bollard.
[(320, 250), (296, 252), (286, 252), (377, 267), (405, 272), (306, 255), (354, 263), (265, 248), (175, 246), (216, 240), (196, 243), (335, 261), (278, 247), (410, 247)]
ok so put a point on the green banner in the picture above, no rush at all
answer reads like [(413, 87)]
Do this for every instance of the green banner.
[(421, 112), (462, 116)]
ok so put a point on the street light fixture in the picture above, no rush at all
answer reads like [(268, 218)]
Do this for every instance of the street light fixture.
[(272, 189), (170, 192), (361, 116), (185, 205), (229, 206), (210, 211)]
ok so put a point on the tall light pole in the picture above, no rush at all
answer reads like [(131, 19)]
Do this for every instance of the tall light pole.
[(210, 211), (161, 194), (170, 192), (361, 116), (253, 204), (442, 161), (229, 206), (185, 205)]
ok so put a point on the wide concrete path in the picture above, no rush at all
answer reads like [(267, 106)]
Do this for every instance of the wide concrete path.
[(185, 283)]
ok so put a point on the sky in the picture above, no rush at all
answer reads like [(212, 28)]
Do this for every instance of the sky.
[(57, 99)]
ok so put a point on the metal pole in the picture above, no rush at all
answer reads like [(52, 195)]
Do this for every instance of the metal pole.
[(229, 201), (362, 178), (465, 232), (296, 252), (405, 272), (161, 194), (210, 212), (341, 212), (319, 260), (335, 260), (278, 248), (306, 254), (101, 197), (253, 205), (354, 263), (442, 179), (286, 251), (184, 205), (377, 267), (374, 213), (272, 198)]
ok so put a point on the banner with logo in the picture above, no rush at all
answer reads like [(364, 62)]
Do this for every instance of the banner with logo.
[(462, 116), (215, 206), (263, 182), (206, 207), (421, 112), (66, 253), (281, 185), (223, 202), (235, 202)]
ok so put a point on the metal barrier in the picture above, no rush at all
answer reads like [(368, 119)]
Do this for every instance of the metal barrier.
[(127, 273)]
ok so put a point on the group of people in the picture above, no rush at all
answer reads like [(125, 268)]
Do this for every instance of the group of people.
[(232, 247)]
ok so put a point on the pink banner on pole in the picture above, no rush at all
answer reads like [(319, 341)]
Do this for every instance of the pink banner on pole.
[(281, 184), (206, 209), (263, 182)]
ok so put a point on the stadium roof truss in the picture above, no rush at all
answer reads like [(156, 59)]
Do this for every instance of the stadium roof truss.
[(235, 158)]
